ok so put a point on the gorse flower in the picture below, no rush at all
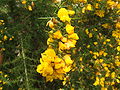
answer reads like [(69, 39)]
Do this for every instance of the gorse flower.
[(54, 65), (63, 14), (100, 13)]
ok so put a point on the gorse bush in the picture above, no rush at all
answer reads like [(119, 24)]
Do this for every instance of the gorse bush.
[(60, 44)]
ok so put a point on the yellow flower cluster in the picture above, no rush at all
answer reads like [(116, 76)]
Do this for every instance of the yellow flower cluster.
[(2, 22), (88, 7), (55, 62), (100, 13), (52, 66), (116, 34), (3, 80), (63, 14), (3, 36), (29, 7)]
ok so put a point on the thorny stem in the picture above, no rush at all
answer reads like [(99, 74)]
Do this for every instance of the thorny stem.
[(23, 55)]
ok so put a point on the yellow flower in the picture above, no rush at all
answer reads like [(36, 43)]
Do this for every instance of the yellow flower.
[(1, 88), (88, 46), (118, 48), (116, 34), (101, 52), (62, 11), (4, 82), (108, 40), (57, 59), (49, 78), (73, 36), (69, 29), (70, 44), (107, 74), (60, 71), (1, 72), (90, 35), (39, 68), (5, 75), (104, 42), (50, 52), (64, 39), (111, 3), (118, 81), (95, 43), (81, 59), (62, 46), (118, 25), (95, 29), (86, 31), (100, 13), (102, 81), (23, 1), (104, 54), (50, 23), (89, 7), (57, 34), (71, 12), (49, 41), (113, 75), (67, 69), (83, 10), (59, 65), (63, 15), (57, 1), (97, 5), (83, 1), (97, 81), (30, 8), (103, 88), (67, 59), (118, 6), (59, 76), (5, 37), (106, 25)]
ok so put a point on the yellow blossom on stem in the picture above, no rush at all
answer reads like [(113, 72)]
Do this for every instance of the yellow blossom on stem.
[(5, 37), (62, 46), (118, 48), (96, 5), (71, 12), (57, 34), (83, 10), (64, 39), (23, 1), (63, 15), (116, 33), (70, 44), (100, 13), (83, 1), (118, 25), (67, 59), (89, 7), (113, 75), (106, 25), (69, 29), (90, 35), (95, 43), (29, 8), (49, 40), (73, 36)]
